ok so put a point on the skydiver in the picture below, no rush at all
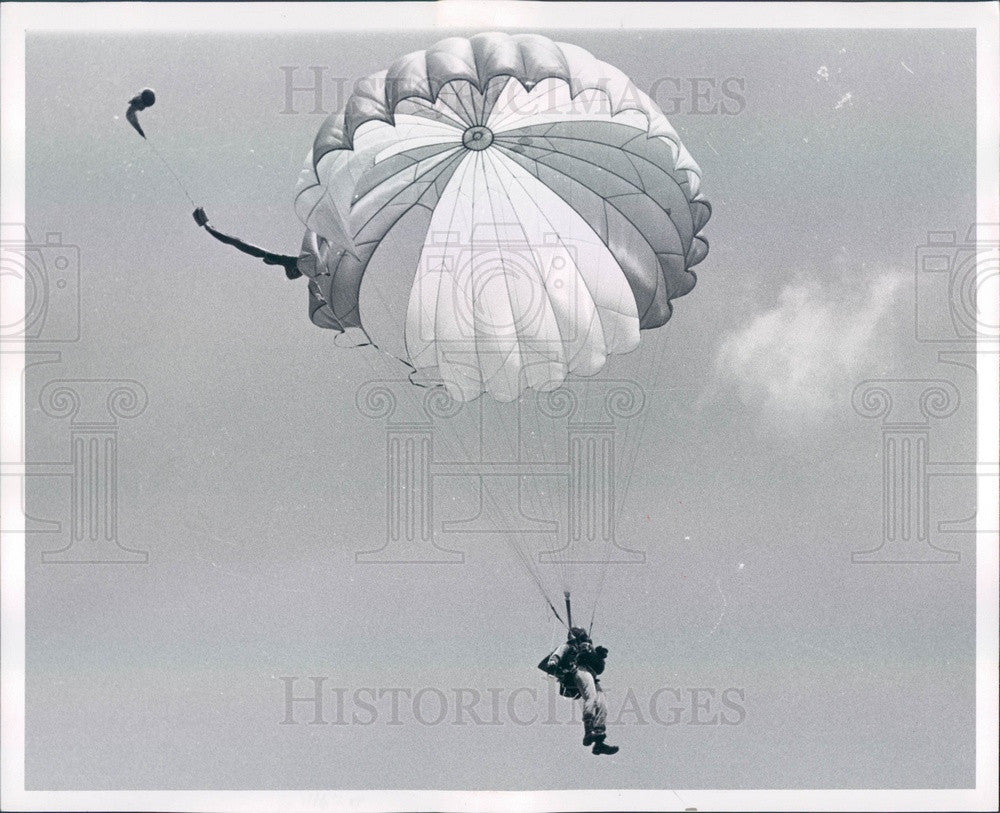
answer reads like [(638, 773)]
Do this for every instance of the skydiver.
[(147, 98), (137, 104), (290, 264), (576, 664)]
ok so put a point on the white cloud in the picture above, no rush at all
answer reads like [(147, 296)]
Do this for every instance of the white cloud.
[(803, 357)]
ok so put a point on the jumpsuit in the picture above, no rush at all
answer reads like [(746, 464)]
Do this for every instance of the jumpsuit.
[(595, 707)]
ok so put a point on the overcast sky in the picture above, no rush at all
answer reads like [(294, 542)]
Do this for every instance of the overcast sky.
[(252, 479)]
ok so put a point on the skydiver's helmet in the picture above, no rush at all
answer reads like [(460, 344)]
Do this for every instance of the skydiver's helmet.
[(578, 635), (147, 98)]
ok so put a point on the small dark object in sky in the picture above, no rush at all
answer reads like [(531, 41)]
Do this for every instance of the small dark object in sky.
[(147, 98)]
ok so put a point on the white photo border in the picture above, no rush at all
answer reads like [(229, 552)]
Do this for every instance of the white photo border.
[(19, 18)]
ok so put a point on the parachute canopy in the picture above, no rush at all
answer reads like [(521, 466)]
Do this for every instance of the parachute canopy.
[(556, 212)]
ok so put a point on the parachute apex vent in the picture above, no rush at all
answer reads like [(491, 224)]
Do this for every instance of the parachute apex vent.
[(477, 138)]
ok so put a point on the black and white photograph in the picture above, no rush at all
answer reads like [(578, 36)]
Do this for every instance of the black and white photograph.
[(500, 406)]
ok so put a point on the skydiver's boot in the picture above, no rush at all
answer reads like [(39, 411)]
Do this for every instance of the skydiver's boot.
[(601, 748), (588, 739)]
